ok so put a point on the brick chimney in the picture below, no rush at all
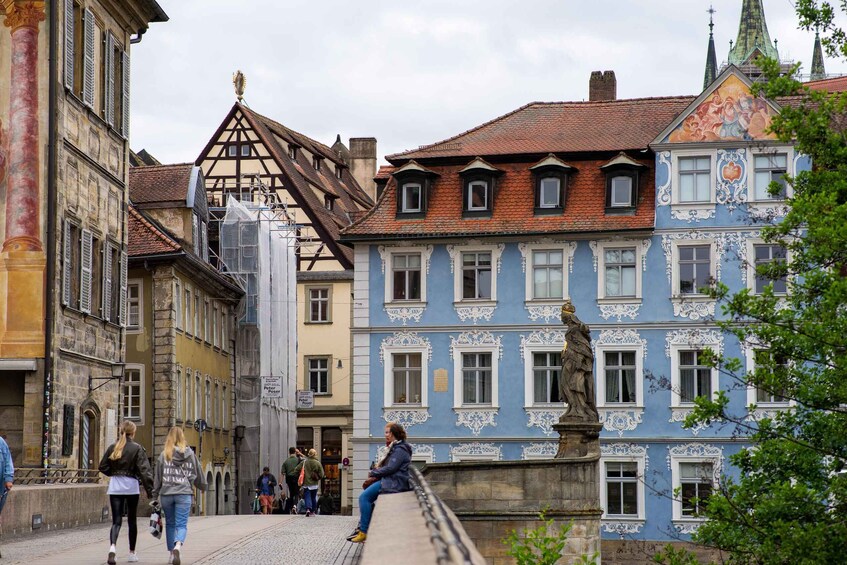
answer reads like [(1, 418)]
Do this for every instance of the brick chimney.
[(602, 86), (363, 163)]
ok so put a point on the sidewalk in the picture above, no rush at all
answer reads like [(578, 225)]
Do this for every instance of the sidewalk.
[(219, 539)]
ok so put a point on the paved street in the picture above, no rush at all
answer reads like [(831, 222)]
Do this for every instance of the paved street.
[(220, 539)]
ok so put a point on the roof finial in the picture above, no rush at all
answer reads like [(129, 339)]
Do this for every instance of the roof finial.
[(711, 11), (239, 81)]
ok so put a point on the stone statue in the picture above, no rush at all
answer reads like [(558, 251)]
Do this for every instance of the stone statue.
[(576, 384), (239, 81)]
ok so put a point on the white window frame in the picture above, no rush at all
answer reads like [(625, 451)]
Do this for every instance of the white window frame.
[(458, 401), (600, 356), (677, 205), (751, 175), (141, 393), (675, 349), (134, 329), (216, 405), (207, 401), (224, 408), (198, 395), (677, 483), (457, 253), (531, 249), (602, 246), (178, 310), (188, 308), (529, 375), (470, 187), (750, 363), (404, 207), (630, 201), (675, 270), (639, 481), (308, 362), (327, 301), (389, 274), (215, 321), (388, 375), (541, 203), (179, 394), (751, 244)]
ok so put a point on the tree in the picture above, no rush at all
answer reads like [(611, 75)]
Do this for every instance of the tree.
[(789, 504)]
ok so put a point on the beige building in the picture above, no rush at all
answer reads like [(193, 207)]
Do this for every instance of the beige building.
[(316, 186), (63, 174), (180, 332)]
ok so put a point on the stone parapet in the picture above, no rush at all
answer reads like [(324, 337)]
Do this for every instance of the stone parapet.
[(60, 506)]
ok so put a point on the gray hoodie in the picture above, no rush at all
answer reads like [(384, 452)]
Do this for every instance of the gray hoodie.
[(179, 475)]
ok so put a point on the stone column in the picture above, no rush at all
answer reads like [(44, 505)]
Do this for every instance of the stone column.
[(22, 259)]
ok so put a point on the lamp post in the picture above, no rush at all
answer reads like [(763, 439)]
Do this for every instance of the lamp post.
[(239, 435)]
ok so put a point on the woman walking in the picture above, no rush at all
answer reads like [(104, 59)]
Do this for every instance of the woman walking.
[(177, 472), (311, 479), (126, 463)]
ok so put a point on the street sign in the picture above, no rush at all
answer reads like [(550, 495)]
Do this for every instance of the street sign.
[(305, 399), (200, 425), (272, 386)]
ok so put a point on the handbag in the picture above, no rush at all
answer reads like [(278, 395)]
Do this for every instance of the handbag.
[(302, 478)]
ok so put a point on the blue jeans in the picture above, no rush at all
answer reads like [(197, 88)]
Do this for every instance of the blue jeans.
[(176, 507), (311, 496), (366, 505)]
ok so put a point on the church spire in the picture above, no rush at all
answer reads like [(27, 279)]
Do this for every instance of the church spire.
[(818, 71), (753, 37), (711, 59)]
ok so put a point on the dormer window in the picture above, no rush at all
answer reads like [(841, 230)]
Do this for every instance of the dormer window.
[(551, 181), (328, 202), (478, 182), (316, 162), (622, 174), (414, 184), (292, 152), (411, 197), (339, 172)]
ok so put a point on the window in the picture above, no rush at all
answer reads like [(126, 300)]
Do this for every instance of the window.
[(550, 177), (114, 283), (549, 191), (476, 378), (768, 379), (622, 486), (694, 268), (116, 85), (764, 255), (768, 169), (134, 306), (695, 377), (207, 322), (232, 151), (245, 150), (225, 409), (619, 272), (224, 330), (318, 374), (215, 320), (411, 197), (546, 369), (178, 305), (694, 179), (319, 305), (407, 369), (619, 372), (476, 276), (477, 195), (207, 407), (132, 389), (292, 152), (328, 202), (695, 482), (195, 233), (316, 162), (198, 399), (547, 274), (620, 192), (216, 406), (189, 320), (406, 275), (179, 390), (339, 172), (197, 322)]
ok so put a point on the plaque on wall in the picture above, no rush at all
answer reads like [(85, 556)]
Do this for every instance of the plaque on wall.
[(68, 430), (439, 381)]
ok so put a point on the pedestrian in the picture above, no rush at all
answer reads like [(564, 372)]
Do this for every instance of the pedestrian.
[(325, 504), (266, 487), (290, 474), (126, 463), (311, 479), (389, 476), (7, 473), (177, 473)]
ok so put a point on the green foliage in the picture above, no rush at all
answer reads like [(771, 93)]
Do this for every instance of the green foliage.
[(671, 556), (543, 545), (789, 504)]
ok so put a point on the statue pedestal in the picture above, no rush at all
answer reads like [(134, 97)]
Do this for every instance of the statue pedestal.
[(578, 439)]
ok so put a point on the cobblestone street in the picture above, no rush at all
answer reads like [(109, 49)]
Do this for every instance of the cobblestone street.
[(220, 539)]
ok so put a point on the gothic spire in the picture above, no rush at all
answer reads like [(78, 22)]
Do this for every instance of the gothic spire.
[(818, 71), (753, 37), (711, 59)]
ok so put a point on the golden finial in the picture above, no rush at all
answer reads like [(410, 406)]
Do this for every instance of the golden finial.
[(240, 82)]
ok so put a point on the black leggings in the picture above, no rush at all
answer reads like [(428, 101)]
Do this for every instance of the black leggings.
[(117, 501)]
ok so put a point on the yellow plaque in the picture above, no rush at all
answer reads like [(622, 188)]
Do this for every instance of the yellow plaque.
[(439, 381)]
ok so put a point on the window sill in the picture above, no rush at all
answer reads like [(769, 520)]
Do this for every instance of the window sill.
[(405, 304), (474, 302), (619, 300), (326, 323)]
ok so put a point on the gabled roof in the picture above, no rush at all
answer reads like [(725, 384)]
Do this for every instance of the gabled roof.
[(161, 184), (560, 127), (621, 159), (145, 237), (550, 161), (413, 166), (480, 164)]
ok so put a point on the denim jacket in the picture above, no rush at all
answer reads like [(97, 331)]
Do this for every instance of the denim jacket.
[(7, 468)]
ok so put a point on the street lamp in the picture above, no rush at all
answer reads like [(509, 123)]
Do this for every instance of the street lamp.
[(117, 374)]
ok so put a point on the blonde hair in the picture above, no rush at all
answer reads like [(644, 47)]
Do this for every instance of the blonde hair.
[(127, 431), (312, 453), (175, 439)]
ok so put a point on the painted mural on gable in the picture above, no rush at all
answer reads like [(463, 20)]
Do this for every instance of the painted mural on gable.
[(730, 113)]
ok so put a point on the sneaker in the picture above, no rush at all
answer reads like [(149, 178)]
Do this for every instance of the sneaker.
[(133, 557), (359, 537), (111, 559), (308, 513), (354, 534), (175, 553), (170, 557)]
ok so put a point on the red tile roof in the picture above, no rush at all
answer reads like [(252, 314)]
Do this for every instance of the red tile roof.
[(835, 84), (384, 172), (561, 127), (146, 238), (159, 183)]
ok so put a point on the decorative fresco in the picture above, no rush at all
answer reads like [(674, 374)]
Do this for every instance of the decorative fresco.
[(730, 113)]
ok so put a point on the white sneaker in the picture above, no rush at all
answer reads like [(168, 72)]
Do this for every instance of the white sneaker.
[(175, 554), (170, 558), (133, 557), (111, 559)]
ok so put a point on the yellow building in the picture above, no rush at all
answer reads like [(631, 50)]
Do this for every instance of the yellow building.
[(323, 189), (180, 366)]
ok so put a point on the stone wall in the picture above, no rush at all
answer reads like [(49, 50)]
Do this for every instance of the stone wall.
[(637, 552), (60, 506), (493, 498)]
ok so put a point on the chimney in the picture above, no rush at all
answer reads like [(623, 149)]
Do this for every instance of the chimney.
[(602, 86), (363, 163)]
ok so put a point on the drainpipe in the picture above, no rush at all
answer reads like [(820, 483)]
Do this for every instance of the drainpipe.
[(50, 286)]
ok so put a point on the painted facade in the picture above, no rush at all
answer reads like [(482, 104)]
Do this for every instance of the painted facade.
[(63, 260)]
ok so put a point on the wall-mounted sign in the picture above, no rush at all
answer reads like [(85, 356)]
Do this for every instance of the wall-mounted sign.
[(305, 399), (439, 381), (272, 386)]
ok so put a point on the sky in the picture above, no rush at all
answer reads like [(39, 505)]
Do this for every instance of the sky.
[(413, 72)]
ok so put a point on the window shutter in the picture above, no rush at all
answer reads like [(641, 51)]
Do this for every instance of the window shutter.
[(107, 281), (69, 44), (88, 59), (66, 264), (124, 260), (109, 89), (125, 100), (85, 276)]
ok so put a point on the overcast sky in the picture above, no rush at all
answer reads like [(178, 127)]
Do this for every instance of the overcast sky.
[(414, 72)]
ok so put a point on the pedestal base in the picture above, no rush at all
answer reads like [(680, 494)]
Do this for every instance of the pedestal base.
[(578, 439), (22, 304)]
